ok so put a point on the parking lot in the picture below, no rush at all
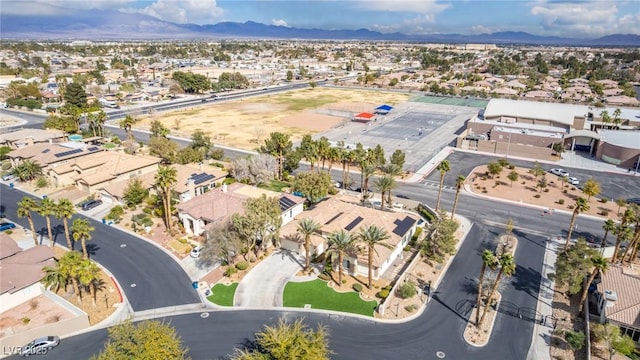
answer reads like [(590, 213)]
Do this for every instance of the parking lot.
[(613, 185)]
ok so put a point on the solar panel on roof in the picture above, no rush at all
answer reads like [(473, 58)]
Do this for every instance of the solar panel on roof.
[(402, 226), (333, 218), (46, 151), (353, 224), (93, 148), (66, 153), (202, 178), (286, 203)]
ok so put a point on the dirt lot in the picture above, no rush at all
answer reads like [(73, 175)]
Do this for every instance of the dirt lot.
[(245, 123)]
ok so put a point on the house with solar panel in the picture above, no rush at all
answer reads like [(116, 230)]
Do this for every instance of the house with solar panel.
[(343, 212), (216, 206)]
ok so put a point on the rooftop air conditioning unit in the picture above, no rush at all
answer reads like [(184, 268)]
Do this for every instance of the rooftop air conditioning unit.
[(610, 295)]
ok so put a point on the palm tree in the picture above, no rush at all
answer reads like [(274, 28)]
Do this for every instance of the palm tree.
[(392, 170), (54, 278), (384, 183), (47, 208), (307, 227), (490, 261), (27, 170), (459, 185), (507, 268), (64, 210), (69, 265), (604, 115), (127, 125), (165, 179), (333, 155), (623, 231), (88, 275), (100, 119), (444, 167), (616, 117), (600, 265), (372, 236), (580, 206), (608, 226), (82, 230), (366, 171), (340, 242), (25, 207)]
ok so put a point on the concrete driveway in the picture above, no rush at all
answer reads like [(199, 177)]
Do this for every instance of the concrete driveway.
[(262, 287)]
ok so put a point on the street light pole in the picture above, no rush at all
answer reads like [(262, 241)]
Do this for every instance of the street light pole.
[(508, 146)]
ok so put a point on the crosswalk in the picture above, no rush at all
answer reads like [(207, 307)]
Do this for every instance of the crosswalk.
[(437, 184)]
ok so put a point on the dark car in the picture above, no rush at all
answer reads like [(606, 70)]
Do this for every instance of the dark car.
[(40, 346), (6, 226), (634, 201), (91, 204)]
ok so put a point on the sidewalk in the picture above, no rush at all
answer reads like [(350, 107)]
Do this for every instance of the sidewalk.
[(427, 168)]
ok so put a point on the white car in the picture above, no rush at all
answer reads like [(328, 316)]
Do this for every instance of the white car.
[(559, 172), (573, 181), (195, 252), (40, 346)]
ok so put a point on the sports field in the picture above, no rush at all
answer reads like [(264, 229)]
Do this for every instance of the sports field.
[(245, 123)]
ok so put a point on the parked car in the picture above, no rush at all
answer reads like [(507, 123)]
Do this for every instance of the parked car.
[(40, 346), (88, 205), (8, 177), (6, 226), (560, 172), (634, 201), (195, 252), (573, 181)]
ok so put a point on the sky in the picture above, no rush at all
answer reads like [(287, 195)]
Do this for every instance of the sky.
[(566, 18)]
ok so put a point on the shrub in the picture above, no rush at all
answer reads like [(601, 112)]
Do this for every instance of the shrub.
[(357, 287), (26, 320), (410, 308), (344, 281), (182, 241), (524, 182), (570, 207), (537, 196), (407, 290), (147, 210), (564, 191), (511, 167), (388, 287), (8, 232), (416, 236), (324, 277), (561, 201), (407, 248), (382, 294), (42, 182), (242, 265), (545, 190), (230, 271), (575, 339), (604, 212), (603, 200)]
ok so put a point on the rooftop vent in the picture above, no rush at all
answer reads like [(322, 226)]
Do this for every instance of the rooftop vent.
[(610, 295)]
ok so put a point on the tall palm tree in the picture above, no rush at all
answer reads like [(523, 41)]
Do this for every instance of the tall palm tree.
[(632, 248), (490, 261), (616, 117), (444, 167), (507, 268), (580, 206), (459, 185), (340, 243), (333, 155), (623, 232), (69, 265), (384, 183), (27, 170), (127, 125), (165, 179), (88, 275), (608, 226), (100, 119), (25, 207), (64, 210), (307, 227), (392, 170), (47, 208), (82, 230), (600, 265), (604, 115), (372, 236), (366, 171), (54, 278)]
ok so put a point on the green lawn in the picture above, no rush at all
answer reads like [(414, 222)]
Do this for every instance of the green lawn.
[(320, 296), (222, 294), (275, 185)]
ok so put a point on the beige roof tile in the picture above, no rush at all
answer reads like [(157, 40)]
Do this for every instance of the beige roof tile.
[(24, 268), (625, 281)]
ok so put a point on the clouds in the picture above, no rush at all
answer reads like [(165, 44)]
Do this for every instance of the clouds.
[(279, 22), (588, 17), (61, 7), (185, 11)]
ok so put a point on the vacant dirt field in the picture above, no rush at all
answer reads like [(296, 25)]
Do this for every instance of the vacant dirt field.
[(245, 123)]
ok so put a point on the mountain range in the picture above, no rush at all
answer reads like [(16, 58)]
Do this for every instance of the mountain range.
[(116, 25)]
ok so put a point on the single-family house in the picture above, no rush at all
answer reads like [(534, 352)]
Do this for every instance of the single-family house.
[(342, 213), (50, 155), (216, 206), (21, 271), (27, 137), (617, 298)]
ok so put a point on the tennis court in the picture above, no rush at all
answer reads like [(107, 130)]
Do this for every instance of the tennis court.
[(456, 101)]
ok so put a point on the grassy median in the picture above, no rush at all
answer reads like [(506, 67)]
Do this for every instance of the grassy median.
[(222, 294), (320, 296)]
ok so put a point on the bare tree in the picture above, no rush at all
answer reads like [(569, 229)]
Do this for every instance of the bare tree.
[(255, 169)]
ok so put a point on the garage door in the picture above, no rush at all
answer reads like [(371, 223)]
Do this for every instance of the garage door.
[(290, 245)]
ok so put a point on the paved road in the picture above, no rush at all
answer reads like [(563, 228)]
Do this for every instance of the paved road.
[(149, 277), (439, 328), (264, 284)]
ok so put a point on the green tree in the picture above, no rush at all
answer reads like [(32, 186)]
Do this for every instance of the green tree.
[(82, 229), (537, 171), (164, 148), (393, 171), (165, 179), (383, 184), (459, 185), (144, 340), (599, 265), (47, 209), (158, 129), (89, 276), (69, 267), (127, 125), (443, 168), (506, 267), (27, 170), (314, 185), (494, 168), (64, 210), (75, 95), (280, 146), (397, 158), (439, 240), (620, 202), (372, 236), (307, 227), (340, 243), (608, 226), (26, 207), (134, 193), (575, 339), (579, 207), (260, 223), (606, 119), (513, 176), (289, 75), (309, 150), (591, 188), (54, 278), (573, 264), (201, 142), (286, 341), (614, 340), (489, 260)]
